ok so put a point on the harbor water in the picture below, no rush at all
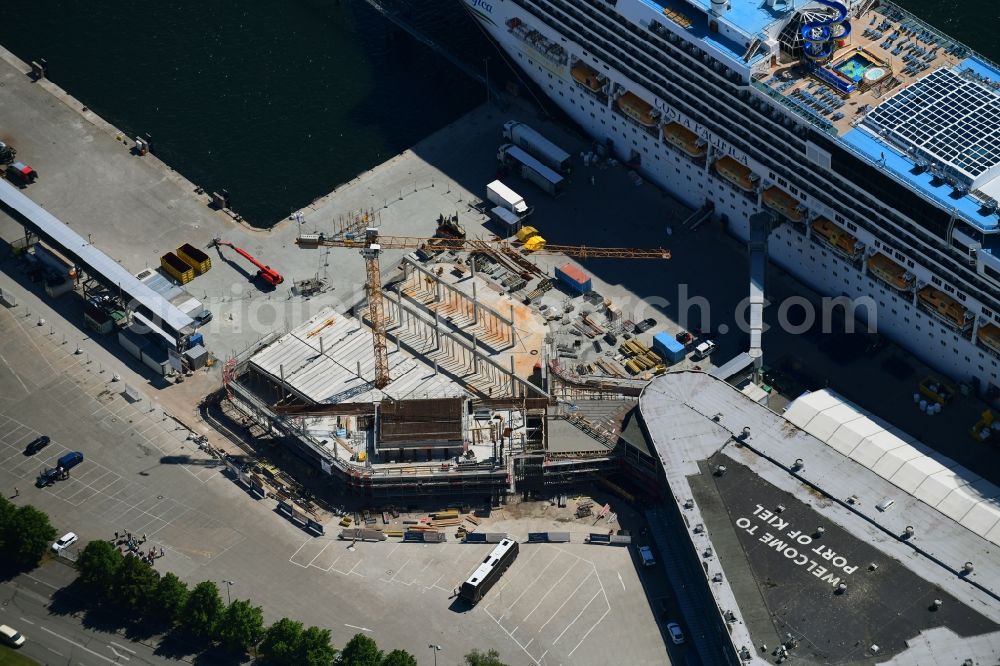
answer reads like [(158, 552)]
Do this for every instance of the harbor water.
[(281, 102)]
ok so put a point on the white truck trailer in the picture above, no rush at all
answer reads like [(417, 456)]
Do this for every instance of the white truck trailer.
[(531, 169), (537, 145)]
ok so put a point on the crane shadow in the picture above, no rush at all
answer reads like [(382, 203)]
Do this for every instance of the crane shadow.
[(251, 277)]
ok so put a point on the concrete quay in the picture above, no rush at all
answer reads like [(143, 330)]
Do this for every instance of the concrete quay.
[(136, 208)]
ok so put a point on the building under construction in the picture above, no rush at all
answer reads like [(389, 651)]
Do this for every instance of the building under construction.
[(467, 410)]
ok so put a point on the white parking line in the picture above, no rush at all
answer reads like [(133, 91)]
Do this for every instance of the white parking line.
[(568, 597), (292, 558), (531, 584), (549, 591), (596, 594), (594, 626), (318, 554)]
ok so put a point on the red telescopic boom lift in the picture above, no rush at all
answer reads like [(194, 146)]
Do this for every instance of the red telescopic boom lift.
[(264, 272)]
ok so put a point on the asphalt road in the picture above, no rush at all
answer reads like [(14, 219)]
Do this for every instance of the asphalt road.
[(55, 637)]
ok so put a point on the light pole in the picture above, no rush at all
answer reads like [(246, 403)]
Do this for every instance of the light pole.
[(229, 595), (436, 649)]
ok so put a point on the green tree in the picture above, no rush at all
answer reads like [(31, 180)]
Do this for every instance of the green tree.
[(27, 535), (7, 511), (315, 648), (281, 643), (168, 601), (361, 651), (135, 584), (242, 626), (477, 658), (98, 566), (399, 658), (203, 610)]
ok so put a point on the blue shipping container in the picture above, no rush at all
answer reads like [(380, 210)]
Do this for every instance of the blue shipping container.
[(574, 278), (667, 347)]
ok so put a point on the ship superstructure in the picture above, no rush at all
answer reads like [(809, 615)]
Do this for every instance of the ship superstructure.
[(871, 137)]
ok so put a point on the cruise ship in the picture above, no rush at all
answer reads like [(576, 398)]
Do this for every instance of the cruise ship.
[(872, 138)]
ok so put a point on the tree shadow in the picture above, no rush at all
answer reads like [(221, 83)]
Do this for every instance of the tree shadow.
[(70, 600), (10, 570), (180, 643), (105, 619), (217, 655), (145, 629)]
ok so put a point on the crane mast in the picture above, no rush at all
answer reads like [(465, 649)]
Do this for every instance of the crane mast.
[(376, 312)]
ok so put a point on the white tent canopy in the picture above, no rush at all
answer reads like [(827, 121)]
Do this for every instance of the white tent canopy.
[(897, 457)]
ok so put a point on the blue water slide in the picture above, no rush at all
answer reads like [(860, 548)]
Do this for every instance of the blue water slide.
[(818, 36)]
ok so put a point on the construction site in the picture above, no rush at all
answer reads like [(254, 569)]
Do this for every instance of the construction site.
[(460, 373)]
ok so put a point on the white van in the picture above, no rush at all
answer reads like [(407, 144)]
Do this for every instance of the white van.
[(646, 555), (11, 636)]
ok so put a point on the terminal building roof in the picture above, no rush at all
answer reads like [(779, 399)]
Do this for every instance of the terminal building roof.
[(756, 530)]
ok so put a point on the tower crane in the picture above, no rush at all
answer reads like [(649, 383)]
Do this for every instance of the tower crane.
[(264, 272), (372, 245)]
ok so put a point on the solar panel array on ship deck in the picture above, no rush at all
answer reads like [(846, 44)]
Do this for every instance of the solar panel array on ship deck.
[(951, 118)]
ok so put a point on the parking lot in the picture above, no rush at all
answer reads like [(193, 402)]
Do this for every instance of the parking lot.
[(558, 604)]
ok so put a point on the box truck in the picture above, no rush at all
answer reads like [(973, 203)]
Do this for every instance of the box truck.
[(499, 194)]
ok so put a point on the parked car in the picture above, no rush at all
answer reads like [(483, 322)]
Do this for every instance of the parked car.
[(676, 635), (646, 555), (11, 636), (684, 338), (36, 445), (65, 541), (48, 476)]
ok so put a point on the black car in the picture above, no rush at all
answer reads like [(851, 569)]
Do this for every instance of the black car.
[(36, 445), (48, 477)]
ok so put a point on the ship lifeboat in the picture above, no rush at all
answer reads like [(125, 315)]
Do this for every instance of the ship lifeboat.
[(738, 174), (784, 203), (837, 238), (945, 307), (637, 109), (683, 138), (890, 272), (588, 77), (989, 336)]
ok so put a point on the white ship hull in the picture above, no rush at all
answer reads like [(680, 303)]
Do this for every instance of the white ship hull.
[(695, 184)]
